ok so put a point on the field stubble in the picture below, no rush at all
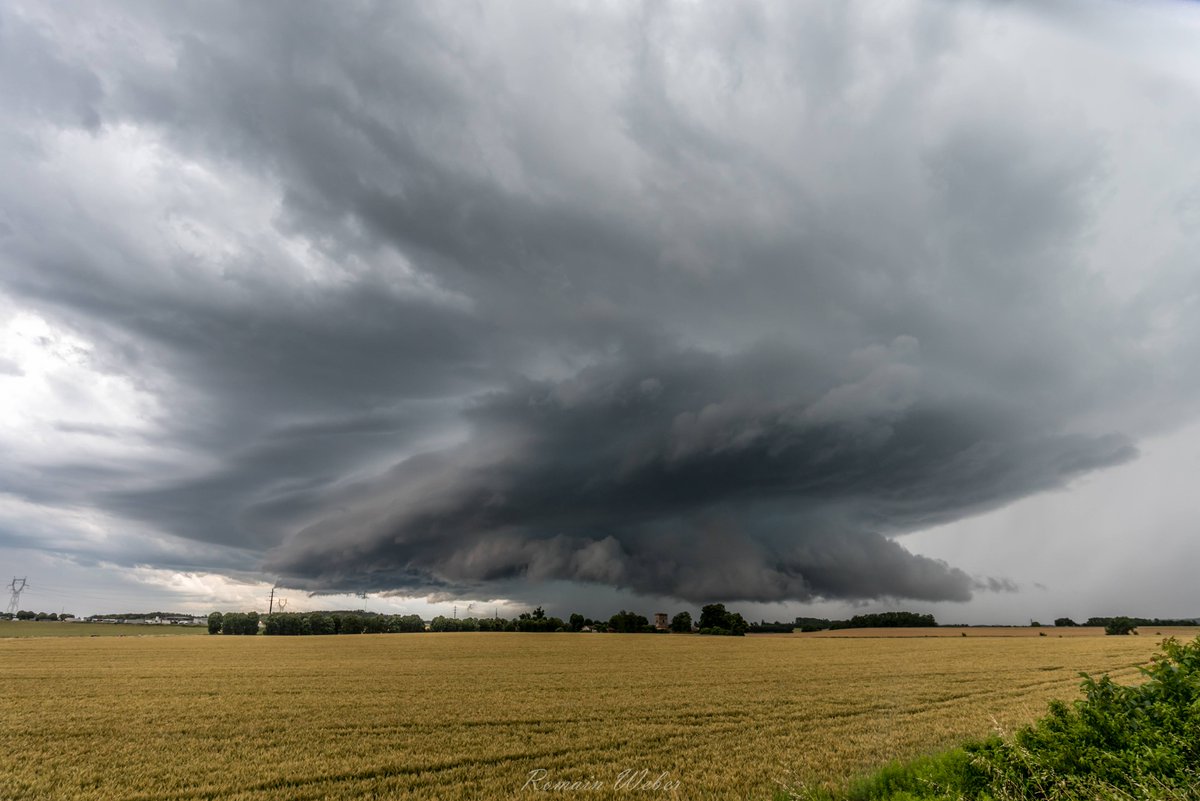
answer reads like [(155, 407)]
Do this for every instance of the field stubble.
[(452, 716)]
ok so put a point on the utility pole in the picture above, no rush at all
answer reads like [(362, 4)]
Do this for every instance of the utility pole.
[(18, 584), (271, 606)]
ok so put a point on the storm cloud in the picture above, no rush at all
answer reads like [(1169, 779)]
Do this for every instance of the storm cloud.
[(706, 302), (751, 477)]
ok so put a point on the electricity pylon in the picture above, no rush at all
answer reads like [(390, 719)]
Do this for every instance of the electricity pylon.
[(18, 584)]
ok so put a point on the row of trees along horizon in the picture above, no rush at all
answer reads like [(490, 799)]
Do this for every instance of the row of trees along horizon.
[(714, 620)]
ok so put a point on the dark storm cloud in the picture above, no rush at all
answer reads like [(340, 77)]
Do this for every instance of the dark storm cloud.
[(747, 477), (713, 302)]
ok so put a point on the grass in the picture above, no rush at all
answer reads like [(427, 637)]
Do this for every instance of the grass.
[(456, 716), (56, 628)]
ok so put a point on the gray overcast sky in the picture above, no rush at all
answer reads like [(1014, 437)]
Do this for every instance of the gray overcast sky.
[(805, 307)]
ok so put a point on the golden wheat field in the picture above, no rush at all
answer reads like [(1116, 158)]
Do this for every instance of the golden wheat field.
[(454, 716)]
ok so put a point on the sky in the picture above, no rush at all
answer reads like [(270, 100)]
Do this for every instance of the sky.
[(807, 308)]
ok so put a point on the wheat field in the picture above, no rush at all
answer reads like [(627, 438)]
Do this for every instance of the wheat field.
[(49, 628), (455, 716)]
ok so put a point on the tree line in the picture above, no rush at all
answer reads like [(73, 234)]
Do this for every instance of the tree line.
[(319, 623), (714, 620), (875, 620), (1127, 625), (25, 614)]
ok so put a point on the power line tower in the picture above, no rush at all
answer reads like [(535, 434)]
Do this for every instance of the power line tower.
[(17, 586)]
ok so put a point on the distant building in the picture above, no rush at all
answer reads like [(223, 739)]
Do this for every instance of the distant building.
[(660, 621)]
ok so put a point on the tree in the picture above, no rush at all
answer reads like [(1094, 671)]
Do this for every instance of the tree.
[(681, 623), (627, 622), (408, 623), (1120, 625), (26, 615), (577, 621), (237, 623), (443, 623), (349, 623), (712, 616), (1064, 621), (539, 622), (214, 623), (714, 619)]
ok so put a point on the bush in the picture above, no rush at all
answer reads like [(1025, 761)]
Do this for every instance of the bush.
[(1117, 737), (1120, 625), (1117, 742)]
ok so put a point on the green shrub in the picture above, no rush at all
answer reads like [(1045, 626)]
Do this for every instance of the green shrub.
[(1117, 742)]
